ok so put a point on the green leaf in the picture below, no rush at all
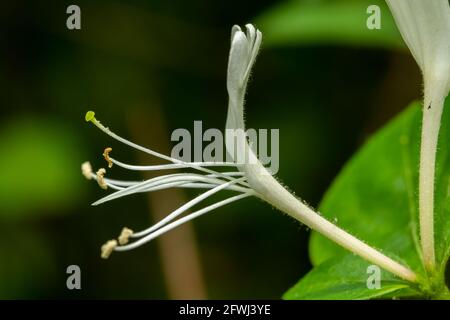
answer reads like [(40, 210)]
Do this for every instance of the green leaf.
[(343, 278), (341, 22), (375, 195), (375, 198), (442, 192)]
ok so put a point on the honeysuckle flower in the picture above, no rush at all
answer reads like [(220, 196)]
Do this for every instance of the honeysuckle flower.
[(425, 27), (250, 179)]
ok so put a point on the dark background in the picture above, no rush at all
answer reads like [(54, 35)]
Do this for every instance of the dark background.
[(147, 68)]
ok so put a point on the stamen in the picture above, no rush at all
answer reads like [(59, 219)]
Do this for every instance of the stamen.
[(195, 185), (108, 248), (178, 166), (145, 185), (230, 174), (119, 185), (109, 182), (106, 156), (180, 184), (179, 222), (171, 165), (189, 184), (122, 183), (125, 236), (184, 208), (100, 178), (185, 181), (86, 170), (90, 117)]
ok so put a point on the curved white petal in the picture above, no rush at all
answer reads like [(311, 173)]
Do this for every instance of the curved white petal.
[(425, 27), (243, 52)]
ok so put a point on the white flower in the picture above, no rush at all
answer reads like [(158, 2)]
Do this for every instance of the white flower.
[(250, 179), (425, 27)]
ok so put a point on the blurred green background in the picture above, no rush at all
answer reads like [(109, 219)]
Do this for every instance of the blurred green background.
[(147, 68)]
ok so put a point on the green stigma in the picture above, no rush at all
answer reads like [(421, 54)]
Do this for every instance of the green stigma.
[(90, 116)]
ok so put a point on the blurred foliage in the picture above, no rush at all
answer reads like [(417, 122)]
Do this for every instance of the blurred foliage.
[(29, 270), (340, 22), (40, 162)]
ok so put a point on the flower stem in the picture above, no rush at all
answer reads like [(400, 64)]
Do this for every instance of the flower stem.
[(274, 193), (431, 121), (351, 243)]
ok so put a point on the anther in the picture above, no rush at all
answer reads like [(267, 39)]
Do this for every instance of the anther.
[(101, 178), (106, 156), (86, 170), (108, 248), (125, 236)]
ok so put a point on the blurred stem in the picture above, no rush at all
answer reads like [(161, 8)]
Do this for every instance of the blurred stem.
[(178, 249)]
